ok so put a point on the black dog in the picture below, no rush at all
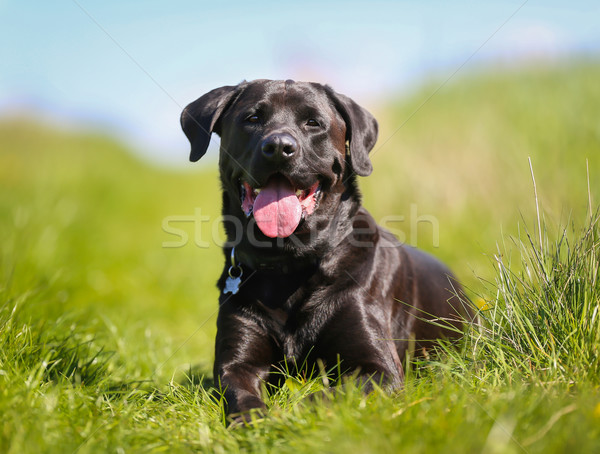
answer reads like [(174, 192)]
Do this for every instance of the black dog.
[(311, 276)]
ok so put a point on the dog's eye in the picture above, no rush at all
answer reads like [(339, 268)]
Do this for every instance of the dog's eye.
[(253, 119), (312, 122)]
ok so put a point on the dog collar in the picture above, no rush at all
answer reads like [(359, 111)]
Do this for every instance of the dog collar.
[(275, 266)]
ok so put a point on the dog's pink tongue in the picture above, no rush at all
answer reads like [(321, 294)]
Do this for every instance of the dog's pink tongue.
[(277, 210)]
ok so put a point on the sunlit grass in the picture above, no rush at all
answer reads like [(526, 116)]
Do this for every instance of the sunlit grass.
[(542, 322)]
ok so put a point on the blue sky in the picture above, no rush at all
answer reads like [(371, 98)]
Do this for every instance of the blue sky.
[(129, 67)]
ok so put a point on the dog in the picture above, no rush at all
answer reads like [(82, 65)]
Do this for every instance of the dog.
[(309, 277)]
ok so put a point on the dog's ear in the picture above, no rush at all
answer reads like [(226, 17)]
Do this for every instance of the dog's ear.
[(199, 119), (361, 131)]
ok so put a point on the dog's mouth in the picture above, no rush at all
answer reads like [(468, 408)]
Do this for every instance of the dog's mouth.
[(279, 206)]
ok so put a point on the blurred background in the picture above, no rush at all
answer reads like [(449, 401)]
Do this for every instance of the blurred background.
[(92, 158), (130, 68)]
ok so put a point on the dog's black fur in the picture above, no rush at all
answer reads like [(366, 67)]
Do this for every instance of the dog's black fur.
[(340, 288)]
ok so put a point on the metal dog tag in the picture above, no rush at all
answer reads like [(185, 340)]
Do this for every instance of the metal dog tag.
[(232, 283)]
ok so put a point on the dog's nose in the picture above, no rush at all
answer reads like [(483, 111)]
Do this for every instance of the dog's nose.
[(279, 146)]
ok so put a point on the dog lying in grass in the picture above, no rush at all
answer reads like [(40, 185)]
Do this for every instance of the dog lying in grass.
[(309, 276)]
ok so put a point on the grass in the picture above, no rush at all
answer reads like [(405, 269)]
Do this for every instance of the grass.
[(544, 322), (106, 336)]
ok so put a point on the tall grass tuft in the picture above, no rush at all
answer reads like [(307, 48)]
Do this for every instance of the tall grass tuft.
[(541, 319)]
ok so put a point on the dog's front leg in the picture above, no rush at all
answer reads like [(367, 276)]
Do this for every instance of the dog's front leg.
[(243, 358), (358, 337)]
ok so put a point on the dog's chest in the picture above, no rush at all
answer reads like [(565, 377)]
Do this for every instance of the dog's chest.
[(289, 309)]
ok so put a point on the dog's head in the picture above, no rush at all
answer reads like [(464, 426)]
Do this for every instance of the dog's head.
[(284, 159)]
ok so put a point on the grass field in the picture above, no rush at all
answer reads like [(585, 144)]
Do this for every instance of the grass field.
[(106, 335)]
